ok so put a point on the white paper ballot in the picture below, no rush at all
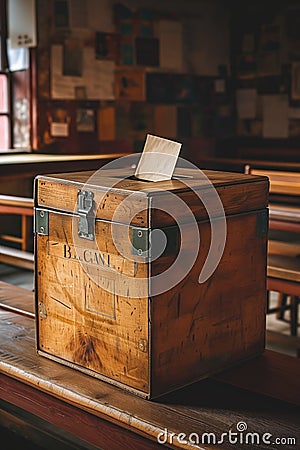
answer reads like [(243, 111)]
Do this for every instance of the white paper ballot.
[(158, 160)]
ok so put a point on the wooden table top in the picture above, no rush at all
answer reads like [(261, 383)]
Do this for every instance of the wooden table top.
[(284, 212), (262, 393), (284, 218), (240, 163), (284, 183), (31, 164), (38, 158)]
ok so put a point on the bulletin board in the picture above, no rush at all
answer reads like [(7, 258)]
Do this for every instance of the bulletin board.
[(267, 72), (111, 78)]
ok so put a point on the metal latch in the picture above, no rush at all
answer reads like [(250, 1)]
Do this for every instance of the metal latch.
[(85, 209), (41, 221)]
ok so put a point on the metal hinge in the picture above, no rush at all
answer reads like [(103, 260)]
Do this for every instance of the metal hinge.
[(41, 221), (140, 241), (262, 223), (85, 209), (147, 244), (42, 310)]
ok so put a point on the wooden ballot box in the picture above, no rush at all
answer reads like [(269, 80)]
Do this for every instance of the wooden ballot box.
[(150, 286)]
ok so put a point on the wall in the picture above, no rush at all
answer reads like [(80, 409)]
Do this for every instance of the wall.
[(110, 73), (265, 45)]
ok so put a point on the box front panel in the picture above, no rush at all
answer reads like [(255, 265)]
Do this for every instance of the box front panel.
[(92, 302)]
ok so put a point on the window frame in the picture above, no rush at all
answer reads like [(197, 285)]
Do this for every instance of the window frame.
[(4, 71), (29, 87)]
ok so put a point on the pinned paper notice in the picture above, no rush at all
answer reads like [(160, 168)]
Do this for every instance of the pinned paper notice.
[(158, 160), (59, 129)]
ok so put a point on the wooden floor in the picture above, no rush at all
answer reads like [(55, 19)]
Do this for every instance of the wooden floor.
[(278, 332), (17, 276)]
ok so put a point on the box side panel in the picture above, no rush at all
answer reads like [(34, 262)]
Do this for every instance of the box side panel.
[(235, 199), (92, 303), (201, 329), (109, 204)]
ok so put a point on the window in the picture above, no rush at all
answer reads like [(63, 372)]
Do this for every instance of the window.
[(4, 115), (15, 93)]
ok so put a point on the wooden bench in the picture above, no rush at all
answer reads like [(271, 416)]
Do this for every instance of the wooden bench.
[(283, 270), (284, 199), (284, 185), (281, 182), (23, 207), (263, 393), (21, 169), (283, 276)]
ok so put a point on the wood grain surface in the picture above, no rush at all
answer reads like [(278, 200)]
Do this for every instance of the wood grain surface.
[(262, 392), (97, 306), (83, 405)]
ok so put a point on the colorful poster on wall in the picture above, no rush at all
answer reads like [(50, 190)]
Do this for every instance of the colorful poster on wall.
[(106, 124), (141, 120), (126, 52), (107, 46), (85, 119), (130, 85), (98, 77)]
